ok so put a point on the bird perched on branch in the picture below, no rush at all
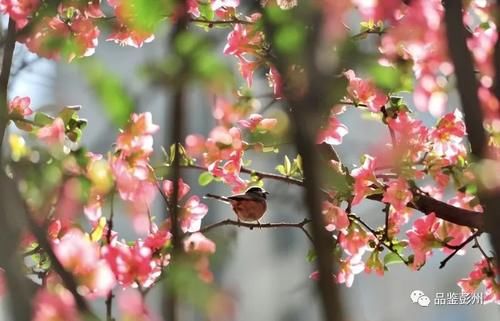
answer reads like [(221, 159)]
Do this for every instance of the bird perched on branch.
[(249, 207)]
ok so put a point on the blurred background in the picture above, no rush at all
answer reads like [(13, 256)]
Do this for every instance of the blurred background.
[(266, 270)]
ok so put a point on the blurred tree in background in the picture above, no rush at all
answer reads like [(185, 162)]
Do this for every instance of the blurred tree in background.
[(439, 185)]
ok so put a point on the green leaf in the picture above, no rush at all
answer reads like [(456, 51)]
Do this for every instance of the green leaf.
[(311, 255), (392, 258), (288, 166), (281, 169), (205, 178), (206, 11), (42, 119)]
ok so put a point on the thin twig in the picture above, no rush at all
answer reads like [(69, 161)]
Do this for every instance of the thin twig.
[(376, 235), (221, 22), (109, 297), (457, 248), (251, 226)]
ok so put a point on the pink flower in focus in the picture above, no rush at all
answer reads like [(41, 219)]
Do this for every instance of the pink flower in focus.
[(355, 240), (487, 273), (422, 239), (364, 178), (333, 132), (365, 92), (448, 135), (52, 134), (244, 39), (348, 268), (19, 107), (411, 137), (398, 194), (335, 217), (132, 264)]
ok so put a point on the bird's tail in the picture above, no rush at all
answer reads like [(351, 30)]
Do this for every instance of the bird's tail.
[(217, 197)]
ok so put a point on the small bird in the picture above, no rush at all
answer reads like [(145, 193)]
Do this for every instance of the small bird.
[(249, 207)]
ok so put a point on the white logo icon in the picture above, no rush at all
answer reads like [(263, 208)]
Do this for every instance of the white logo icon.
[(418, 296), (424, 301)]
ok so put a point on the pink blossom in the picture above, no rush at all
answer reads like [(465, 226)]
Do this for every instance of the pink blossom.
[(81, 257), (276, 82), (333, 133), (398, 194), (355, 240), (19, 10), (132, 264), (198, 243), (132, 306), (52, 134), (365, 92), (335, 217), (257, 122), (247, 69), (168, 188), (411, 137), (192, 212), (364, 178), (217, 4), (348, 268), (487, 273), (195, 145), (20, 106), (49, 306), (244, 39), (376, 10), (422, 239), (448, 134)]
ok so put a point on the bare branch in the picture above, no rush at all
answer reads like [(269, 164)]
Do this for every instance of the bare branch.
[(458, 248), (301, 225)]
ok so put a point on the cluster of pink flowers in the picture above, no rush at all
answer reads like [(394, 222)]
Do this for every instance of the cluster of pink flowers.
[(362, 91), (487, 273), (135, 179)]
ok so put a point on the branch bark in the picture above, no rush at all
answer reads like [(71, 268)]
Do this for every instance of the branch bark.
[(177, 121), (467, 86), (309, 96)]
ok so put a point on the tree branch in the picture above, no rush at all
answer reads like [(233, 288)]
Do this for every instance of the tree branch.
[(467, 86), (458, 248), (251, 226), (467, 83), (8, 53), (421, 202)]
